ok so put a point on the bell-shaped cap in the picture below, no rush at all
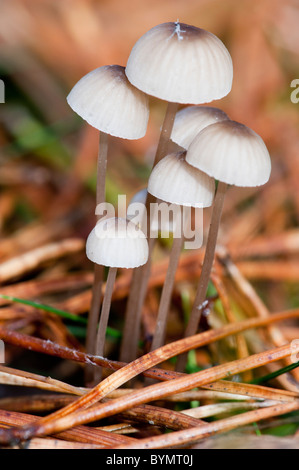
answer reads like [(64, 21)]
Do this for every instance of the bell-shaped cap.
[(180, 63), (109, 102), (173, 180), (232, 153), (191, 120), (117, 242)]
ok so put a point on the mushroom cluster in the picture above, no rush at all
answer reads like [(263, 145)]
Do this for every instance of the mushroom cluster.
[(188, 68)]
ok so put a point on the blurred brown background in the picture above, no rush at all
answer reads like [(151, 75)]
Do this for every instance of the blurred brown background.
[(48, 154)]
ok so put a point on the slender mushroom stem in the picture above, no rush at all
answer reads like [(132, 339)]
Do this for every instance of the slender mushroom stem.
[(96, 298), (98, 270), (101, 333), (129, 346), (159, 335), (140, 300), (206, 268), (101, 168), (125, 349), (141, 275), (166, 131)]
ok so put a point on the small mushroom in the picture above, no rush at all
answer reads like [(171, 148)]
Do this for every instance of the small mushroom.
[(180, 63), (137, 211), (109, 102), (116, 243), (177, 63), (233, 154), (191, 120), (175, 181)]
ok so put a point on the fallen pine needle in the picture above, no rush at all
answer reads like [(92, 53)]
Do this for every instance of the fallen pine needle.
[(147, 394), (27, 262), (193, 435), (206, 411)]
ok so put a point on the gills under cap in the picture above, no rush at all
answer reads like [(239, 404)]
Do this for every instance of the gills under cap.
[(117, 242), (109, 102), (232, 153), (175, 181), (180, 63), (191, 120)]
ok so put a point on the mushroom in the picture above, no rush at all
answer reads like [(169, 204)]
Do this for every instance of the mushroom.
[(110, 103), (191, 120), (116, 243), (137, 212), (180, 64), (233, 154), (175, 181)]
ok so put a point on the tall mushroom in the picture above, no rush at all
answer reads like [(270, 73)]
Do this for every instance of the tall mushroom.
[(137, 212), (110, 103), (233, 154), (175, 181), (116, 243), (180, 64)]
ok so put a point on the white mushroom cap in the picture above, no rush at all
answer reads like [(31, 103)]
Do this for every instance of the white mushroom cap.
[(180, 63), (191, 120), (117, 242), (232, 153), (174, 180), (109, 102)]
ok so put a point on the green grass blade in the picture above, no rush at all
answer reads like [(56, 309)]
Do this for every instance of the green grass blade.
[(275, 374), (62, 313), (46, 308)]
